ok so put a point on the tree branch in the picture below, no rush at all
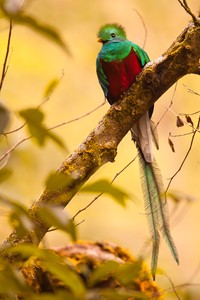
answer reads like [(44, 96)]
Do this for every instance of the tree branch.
[(100, 146)]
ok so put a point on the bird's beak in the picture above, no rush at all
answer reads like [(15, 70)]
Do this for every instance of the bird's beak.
[(100, 40)]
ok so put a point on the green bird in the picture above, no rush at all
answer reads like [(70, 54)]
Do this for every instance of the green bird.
[(118, 63)]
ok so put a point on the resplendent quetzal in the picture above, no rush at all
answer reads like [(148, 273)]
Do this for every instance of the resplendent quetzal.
[(118, 63)]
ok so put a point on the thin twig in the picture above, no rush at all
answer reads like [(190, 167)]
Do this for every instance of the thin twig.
[(191, 114), (173, 287), (51, 91), (79, 223), (168, 108), (180, 215), (181, 135), (184, 285), (188, 10), (195, 272), (85, 207), (144, 26), (99, 195), (117, 174), (5, 162), (5, 67), (191, 90), (186, 156), (185, 122), (8, 152), (38, 107), (55, 228), (15, 130), (78, 118)]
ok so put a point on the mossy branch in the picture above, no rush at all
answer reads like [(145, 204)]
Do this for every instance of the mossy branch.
[(100, 147)]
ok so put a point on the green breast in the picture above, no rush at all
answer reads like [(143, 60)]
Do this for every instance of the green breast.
[(115, 50)]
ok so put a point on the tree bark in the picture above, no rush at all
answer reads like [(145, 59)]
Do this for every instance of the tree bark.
[(100, 147)]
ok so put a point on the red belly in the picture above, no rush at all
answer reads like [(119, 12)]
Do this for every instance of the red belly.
[(120, 75)]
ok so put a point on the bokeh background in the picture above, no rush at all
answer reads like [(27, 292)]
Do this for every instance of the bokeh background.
[(35, 61)]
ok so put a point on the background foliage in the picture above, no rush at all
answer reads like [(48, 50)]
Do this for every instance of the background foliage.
[(36, 65)]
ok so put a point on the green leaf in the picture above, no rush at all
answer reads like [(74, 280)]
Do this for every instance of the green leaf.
[(178, 197), (70, 278), (5, 173), (4, 117), (125, 273), (129, 272), (51, 87), (19, 217), (45, 30), (34, 119), (102, 272), (104, 186), (57, 181), (121, 294), (55, 264), (11, 280), (57, 217), (55, 138), (32, 115), (56, 295), (25, 251)]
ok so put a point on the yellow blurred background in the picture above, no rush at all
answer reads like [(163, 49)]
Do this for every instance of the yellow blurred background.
[(35, 61)]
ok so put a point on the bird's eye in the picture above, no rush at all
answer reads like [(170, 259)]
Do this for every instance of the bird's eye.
[(113, 35)]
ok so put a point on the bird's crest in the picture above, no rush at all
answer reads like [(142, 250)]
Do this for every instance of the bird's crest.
[(106, 31)]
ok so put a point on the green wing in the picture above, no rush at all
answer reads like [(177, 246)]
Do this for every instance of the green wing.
[(142, 55)]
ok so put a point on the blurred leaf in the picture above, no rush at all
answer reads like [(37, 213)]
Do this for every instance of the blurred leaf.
[(171, 144), (129, 272), (5, 174), (20, 223), (125, 273), (179, 196), (55, 264), (34, 118), (56, 295), (19, 217), (104, 186), (11, 280), (189, 120), (12, 204), (51, 87), (4, 117), (57, 181), (121, 294), (103, 271), (70, 278), (57, 217), (11, 7), (154, 133), (45, 30), (179, 122), (25, 250), (55, 138)]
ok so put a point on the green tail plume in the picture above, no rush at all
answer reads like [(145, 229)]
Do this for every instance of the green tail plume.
[(156, 209)]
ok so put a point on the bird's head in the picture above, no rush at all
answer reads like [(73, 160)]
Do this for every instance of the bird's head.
[(111, 31)]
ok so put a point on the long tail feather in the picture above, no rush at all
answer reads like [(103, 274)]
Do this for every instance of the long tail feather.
[(141, 134), (163, 212), (154, 134), (156, 208), (150, 209)]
